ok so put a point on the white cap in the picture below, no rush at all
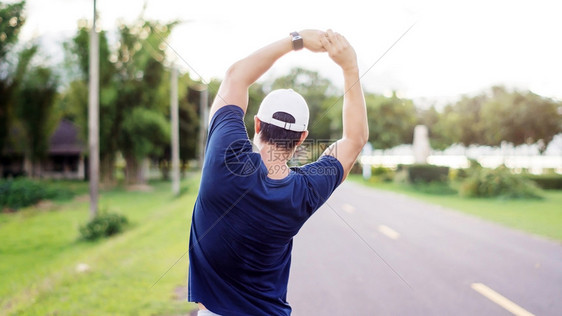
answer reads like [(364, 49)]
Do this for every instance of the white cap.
[(288, 101)]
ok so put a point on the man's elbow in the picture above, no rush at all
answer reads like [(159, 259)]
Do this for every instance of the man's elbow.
[(358, 140), (358, 143), (232, 72), (236, 73), (363, 139)]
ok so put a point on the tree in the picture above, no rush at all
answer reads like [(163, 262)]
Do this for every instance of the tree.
[(498, 115), (520, 118), (139, 73), (463, 121), (189, 129), (11, 21), (452, 126), (10, 25), (255, 96), (35, 100), (188, 108), (74, 101), (439, 138), (144, 132), (26, 95), (316, 90), (130, 79), (391, 120)]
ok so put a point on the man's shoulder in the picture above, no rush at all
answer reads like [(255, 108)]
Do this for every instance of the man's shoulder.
[(227, 124), (231, 110), (325, 165)]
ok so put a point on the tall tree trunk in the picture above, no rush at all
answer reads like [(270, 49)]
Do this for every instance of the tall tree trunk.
[(27, 166), (164, 166), (131, 169), (107, 170), (143, 171), (32, 167)]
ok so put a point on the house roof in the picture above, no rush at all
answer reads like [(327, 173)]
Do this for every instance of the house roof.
[(65, 139)]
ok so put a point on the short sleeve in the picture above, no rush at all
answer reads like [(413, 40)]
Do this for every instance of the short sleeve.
[(227, 127), (228, 145), (322, 177)]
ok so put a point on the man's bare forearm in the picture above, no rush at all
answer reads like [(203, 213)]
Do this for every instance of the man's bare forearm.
[(251, 68), (243, 73), (354, 114), (248, 70)]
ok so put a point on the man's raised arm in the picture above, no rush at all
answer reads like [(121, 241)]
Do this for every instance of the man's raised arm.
[(354, 114), (243, 73)]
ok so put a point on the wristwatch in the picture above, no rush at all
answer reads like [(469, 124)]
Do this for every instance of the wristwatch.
[(298, 43)]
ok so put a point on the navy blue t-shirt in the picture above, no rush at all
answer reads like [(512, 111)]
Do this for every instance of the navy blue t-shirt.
[(244, 222)]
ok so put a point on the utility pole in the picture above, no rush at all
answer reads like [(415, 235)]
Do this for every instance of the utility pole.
[(175, 130), (93, 117), (204, 121)]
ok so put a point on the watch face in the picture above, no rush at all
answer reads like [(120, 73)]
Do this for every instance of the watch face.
[(296, 38)]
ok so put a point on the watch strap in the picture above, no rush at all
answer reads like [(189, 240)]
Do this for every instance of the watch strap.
[(297, 41)]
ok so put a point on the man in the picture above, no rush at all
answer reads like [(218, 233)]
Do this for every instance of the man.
[(251, 204)]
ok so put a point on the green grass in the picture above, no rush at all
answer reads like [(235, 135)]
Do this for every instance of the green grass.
[(537, 216), (40, 251)]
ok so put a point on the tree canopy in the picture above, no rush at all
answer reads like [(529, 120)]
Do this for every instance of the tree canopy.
[(520, 118), (495, 116), (391, 120), (131, 80), (12, 19), (134, 101)]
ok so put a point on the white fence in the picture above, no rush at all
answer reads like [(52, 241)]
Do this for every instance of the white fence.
[(534, 164), (517, 158)]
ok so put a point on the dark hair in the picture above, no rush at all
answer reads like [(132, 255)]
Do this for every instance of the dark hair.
[(278, 136)]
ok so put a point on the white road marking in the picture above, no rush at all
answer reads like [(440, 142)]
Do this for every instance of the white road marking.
[(348, 208), (388, 232), (500, 300)]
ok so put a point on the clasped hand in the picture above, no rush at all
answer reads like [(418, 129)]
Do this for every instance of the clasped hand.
[(337, 46)]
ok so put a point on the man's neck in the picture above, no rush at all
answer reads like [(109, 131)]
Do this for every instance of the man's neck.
[(275, 160)]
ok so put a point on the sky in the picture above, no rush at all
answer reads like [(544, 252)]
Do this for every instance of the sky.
[(454, 48)]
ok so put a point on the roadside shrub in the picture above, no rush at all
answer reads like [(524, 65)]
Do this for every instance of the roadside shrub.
[(427, 173), (546, 181), (401, 175), (434, 188), (15, 194), (382, 174), (103, 225), (58, 193), (427, 179), (498, 182), (21, 192), (458, 174)]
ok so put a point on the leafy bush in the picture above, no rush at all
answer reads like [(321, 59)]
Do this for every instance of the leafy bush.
[(434, 188), (57, 192), (498, 182), (547, 181), (427, 173), (401, 175), (103, 225), (458, 174), (15, 194), (382, 174), (21, 192)]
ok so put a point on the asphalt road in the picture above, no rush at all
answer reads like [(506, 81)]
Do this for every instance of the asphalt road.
[(368, 252)]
